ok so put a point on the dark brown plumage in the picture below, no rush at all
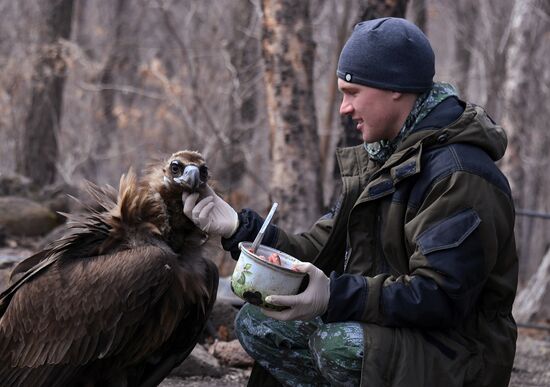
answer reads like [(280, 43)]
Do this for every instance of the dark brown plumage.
[(123, 299)]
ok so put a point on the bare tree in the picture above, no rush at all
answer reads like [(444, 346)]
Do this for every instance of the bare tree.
[(245, 59), (493, 48), (328, 130), (121, 63), (526, 99), (465, 14), (288, 51), (418, 14), (372, 9), (39, 148)]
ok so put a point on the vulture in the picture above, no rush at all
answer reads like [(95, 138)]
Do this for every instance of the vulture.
[(123, 298)]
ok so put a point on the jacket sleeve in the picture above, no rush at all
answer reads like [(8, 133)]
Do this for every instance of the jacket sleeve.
[(455, 239), (249, 226), (304, 246)]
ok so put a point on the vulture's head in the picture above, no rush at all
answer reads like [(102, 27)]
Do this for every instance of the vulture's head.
[(161, 201), (185, 171)]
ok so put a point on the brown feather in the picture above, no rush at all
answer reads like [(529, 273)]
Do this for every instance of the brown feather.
[(122, 298)]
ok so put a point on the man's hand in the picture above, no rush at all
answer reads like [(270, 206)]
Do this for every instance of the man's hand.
[(212, 215), (311, 303)]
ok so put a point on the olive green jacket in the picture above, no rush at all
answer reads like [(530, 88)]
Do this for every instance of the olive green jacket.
[(422, 251)]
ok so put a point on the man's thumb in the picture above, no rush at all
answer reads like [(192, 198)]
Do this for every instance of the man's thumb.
[(303, 267), (279, 300)]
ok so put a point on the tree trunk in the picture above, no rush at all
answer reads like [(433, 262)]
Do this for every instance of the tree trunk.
[(526, 95), (244, 50), (418, 14), (288, 51), (327, 143), (120, 67), (496, 14), (373, 9), (39, 144), (466, 20), (533, 302)]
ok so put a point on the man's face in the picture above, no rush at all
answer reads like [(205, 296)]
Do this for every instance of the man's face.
[(374, 111)]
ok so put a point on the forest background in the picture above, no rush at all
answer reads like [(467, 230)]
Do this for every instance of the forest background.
[(91, 88)]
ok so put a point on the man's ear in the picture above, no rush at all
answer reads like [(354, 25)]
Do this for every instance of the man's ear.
[(396, 95)]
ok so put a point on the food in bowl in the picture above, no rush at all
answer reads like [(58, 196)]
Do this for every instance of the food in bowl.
[(273, 258), (254, 278)]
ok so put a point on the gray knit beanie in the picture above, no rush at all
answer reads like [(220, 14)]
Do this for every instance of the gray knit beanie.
[(388, 53)]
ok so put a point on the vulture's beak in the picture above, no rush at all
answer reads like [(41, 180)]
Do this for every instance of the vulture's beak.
[(189, 178)]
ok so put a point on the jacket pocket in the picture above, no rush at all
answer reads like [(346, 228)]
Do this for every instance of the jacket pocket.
[(448, 233)]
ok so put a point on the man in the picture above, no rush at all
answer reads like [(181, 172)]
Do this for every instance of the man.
[(413, 275)]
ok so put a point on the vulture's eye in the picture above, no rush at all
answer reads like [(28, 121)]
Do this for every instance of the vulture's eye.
[(176, 167), (203, 170)]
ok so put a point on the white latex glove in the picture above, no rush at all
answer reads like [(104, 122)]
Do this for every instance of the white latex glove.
[(212, 214), (312, 302)]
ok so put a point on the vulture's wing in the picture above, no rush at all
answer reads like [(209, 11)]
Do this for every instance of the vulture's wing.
[(22, 273), (189, 330), (28, 263), (103, 312)]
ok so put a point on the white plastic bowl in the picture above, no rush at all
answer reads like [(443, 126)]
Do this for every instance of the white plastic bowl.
[(254, 279)]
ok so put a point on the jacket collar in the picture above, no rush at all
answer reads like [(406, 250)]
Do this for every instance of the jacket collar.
[(398, 168), (380, 180)]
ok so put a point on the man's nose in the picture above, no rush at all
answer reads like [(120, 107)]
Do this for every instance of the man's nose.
[(345, 107)]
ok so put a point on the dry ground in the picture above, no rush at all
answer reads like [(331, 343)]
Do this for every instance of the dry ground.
[(532, 363), (233, 378)]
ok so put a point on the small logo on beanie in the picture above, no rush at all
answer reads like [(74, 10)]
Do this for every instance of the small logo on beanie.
[(348, 77)]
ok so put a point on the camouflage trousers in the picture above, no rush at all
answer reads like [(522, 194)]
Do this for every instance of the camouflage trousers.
[(303, 353)]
